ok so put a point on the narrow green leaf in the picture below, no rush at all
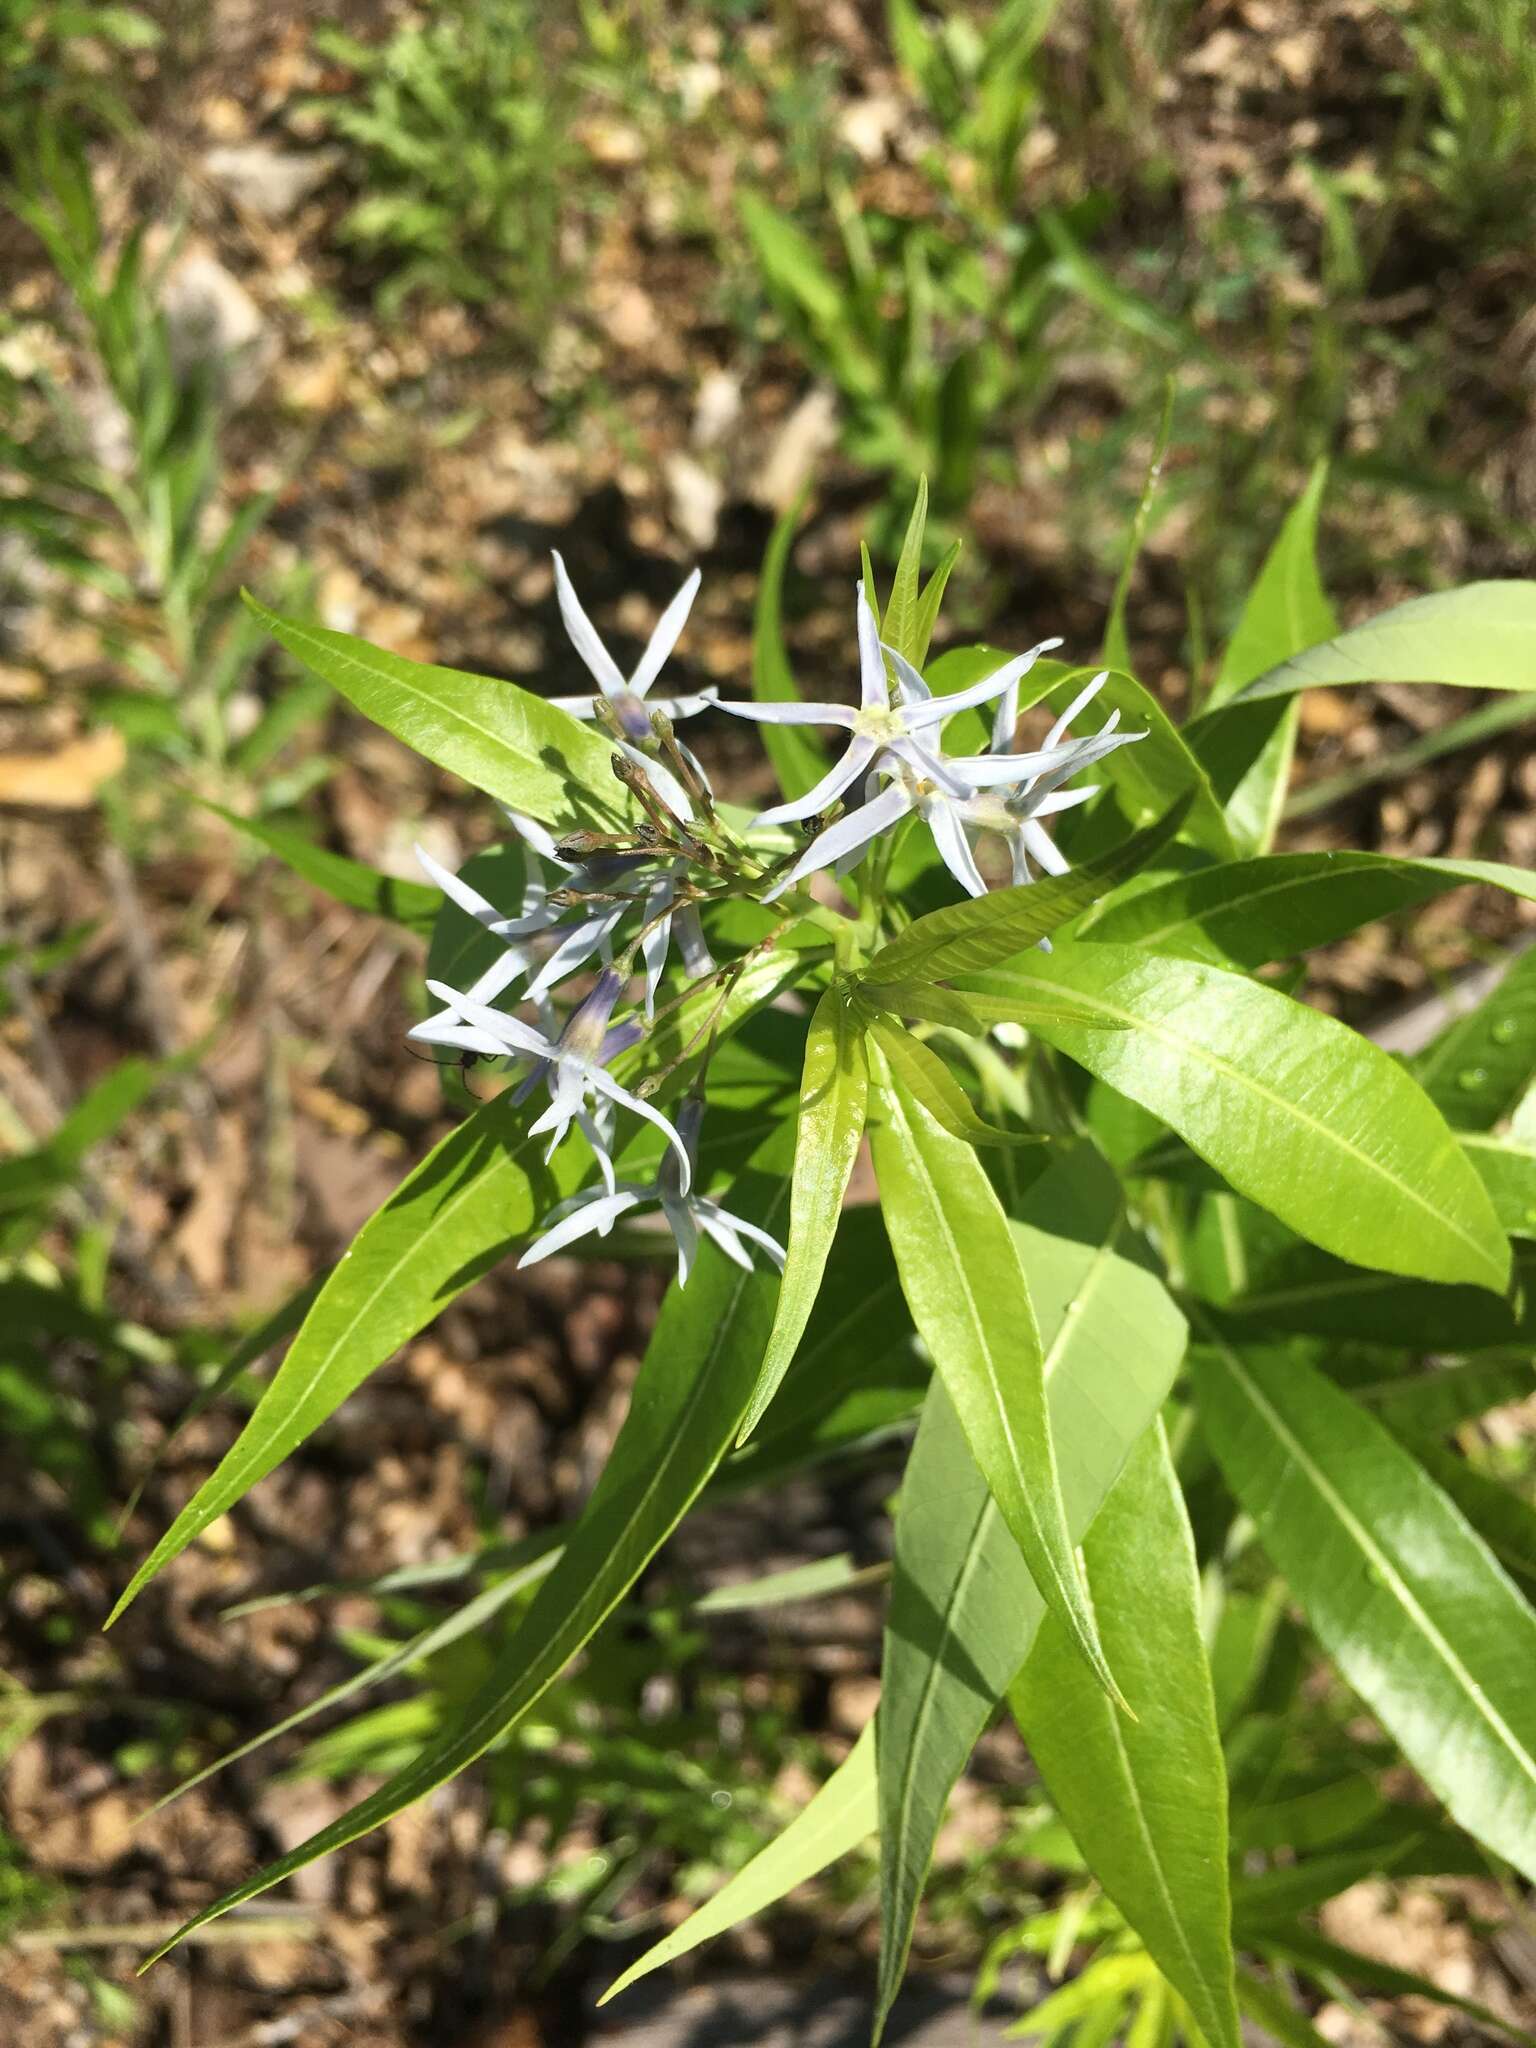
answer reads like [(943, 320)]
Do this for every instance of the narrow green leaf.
[(963, 937), (413, 904), (964, 1609), (929, 1082), (1117, 646), (1339, 1970), (965, 1285), (1402, 1593), (1273, 2013), (32, 1177), (1287, 609), (834, 1092), (500, 739), (926, 615), (1480, 637), (1248, 912), (798, 760), (687, 1405), (1299, 1113), (1483, 1062), (1146, 1801), (812, 1581), (476, 1194), (838, 1818)]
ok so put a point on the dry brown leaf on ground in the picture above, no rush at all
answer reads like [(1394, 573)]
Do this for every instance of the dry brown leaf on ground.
[(69, 778)]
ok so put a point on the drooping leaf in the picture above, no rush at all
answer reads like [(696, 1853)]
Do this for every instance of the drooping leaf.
[(964, 1609), (476, 1194), (839, 1817), (1400, 1590), (1146, 1800), (965, 1284), (798, 758), (1248, 912), (964, 937), (834, 1090), (499, 738), (686, 1407), (931, 1083), (1480, 637), (1482, 1063), (413, 904), (1299, 1113)]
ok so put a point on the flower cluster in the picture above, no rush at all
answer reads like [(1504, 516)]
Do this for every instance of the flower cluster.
[(624, 901)]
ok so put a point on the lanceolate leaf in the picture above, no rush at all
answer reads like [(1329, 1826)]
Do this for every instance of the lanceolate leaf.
[(474, 1196), (1402, 1593), (1146, 1801), (964, 1609), (798, 760), (964, 1282), (834, 1090), (413, 904), (1481, 1064), (964, 937), (841, 1815), (687, 1405), (1482, 636), (499, 738), (1299, 1113), (1252, 911), (1508, 1172)]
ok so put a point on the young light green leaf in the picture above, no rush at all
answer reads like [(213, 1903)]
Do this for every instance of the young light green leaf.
[(926, 612), (1480, 637), (798, 760), (1402, 1593), (1481, 1064), (1146, 1801), (965, 1285), (834, 1092), (1302, 1115), (1248, 912), (838, 1818), (964, 1609), (413, 904), (477, 1193), (964, 937), (687, 1405), (501, 739), (898, 628), (930, 1082)]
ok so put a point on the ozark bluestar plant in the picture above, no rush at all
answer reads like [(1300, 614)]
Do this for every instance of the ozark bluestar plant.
[(626, 898)]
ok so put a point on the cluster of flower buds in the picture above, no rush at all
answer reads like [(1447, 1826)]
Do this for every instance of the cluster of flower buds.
[(625, 900)]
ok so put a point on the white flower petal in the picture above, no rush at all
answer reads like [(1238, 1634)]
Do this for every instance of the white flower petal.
[(458, 891), (790, 713), (856, 829), (937, 709), (874, 690), (954, 848), (859, 755), (665, 637), (597, 1213), (583, 634), (606, 1085)]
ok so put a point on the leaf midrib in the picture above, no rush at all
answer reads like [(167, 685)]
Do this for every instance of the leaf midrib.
[(1157, 1029), (1380, 1563)]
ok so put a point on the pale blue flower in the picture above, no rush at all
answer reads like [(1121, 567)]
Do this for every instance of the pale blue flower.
[(572, 1064), (886, 733), (686, 1213)]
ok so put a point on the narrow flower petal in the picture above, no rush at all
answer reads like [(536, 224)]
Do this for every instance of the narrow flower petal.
[(457, 890), (856, 829), (535, 834), (663, 781), (949, 837), (596, 1126), (665, 637), (578, 945), (1084, 697), (1043, 847), (515, 1036), (790, 714), (689, 933), (929, 765), (583, 634), (720, 1231), (447, 1029), (860, 754), (992, 771), (874, 690), (709, 1211), (599, 1214), (937, 709), (685, 1233), (606, 1085), (578, 707)]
